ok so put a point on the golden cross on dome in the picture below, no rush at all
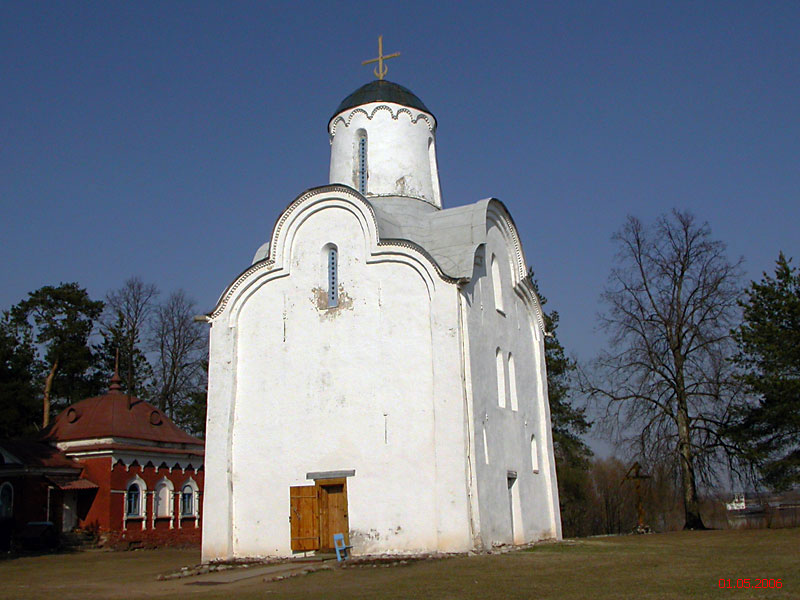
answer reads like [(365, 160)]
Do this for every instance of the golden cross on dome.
[(381, 70)]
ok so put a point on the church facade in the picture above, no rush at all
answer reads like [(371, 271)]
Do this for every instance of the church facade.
[(378, 371)]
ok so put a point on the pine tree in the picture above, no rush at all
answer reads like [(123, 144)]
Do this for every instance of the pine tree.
[(768, 426), (62, 320), (568, 424), (19, 404)]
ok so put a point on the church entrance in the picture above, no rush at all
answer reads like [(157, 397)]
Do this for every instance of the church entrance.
[(332, 511), (317, 512)]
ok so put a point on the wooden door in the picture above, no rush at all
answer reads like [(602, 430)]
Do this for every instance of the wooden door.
[(332, 511), (304, 517)]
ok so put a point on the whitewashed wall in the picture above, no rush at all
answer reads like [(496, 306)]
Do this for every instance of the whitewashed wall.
[(373, 385), (508, 432), (401, 149)]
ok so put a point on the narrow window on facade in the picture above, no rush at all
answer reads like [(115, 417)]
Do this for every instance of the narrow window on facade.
[(485, 446), (134, 496), (362, 162), (512, 382), (332, 270), (501, 379), (534, 454), (496, 286), (187, 501), (6, 500), (434, 172)]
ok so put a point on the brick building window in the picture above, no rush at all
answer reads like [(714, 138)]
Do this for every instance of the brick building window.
[(134, 498), (134, 501), (189, 499)]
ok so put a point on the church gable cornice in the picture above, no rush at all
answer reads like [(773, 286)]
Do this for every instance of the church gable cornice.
[(498, 215), (272, 261)]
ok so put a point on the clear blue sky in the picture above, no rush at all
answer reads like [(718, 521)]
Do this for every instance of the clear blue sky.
[(163, 139)]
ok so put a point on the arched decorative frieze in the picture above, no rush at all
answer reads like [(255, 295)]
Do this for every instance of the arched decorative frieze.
[(182, 464), (370, 115), (525, 290), (392, 243), (272, 266), (497, 214), (265, 264)]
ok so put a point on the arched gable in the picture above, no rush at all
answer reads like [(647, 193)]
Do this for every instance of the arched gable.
[(276, 262), (497, 215)]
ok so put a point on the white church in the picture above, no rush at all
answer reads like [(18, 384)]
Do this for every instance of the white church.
[(378, 370)]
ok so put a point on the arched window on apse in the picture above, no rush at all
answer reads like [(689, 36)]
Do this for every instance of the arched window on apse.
[(501, 379), (534, 454), (512, 382), (496, 285)]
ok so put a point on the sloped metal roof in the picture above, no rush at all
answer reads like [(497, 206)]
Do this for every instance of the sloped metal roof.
[(449, 235), (116, 415)]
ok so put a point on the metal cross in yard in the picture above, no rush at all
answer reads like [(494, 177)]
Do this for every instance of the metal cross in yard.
[(635, 474)]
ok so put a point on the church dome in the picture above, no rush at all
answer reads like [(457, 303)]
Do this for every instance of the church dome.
[(381, 90)]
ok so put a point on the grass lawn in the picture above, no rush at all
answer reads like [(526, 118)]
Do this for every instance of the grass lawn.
[(662, 566)]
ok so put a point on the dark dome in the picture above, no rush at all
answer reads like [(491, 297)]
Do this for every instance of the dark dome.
[(378, 90)]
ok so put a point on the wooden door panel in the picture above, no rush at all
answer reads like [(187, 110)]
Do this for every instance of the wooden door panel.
[(304, 516), (333, 511)]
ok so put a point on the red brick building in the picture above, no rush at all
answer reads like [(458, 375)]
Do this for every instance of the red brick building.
[(34, 479), (127, 471)]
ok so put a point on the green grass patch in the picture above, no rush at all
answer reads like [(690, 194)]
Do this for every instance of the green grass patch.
[(651, 567)]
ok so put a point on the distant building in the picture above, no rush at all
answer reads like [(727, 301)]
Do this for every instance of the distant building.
[(113, 464), (738, 502), (766, 509)]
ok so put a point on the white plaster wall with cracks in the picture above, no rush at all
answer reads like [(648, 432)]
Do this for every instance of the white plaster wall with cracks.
[(401, 145), (363, 346), (301, 393)]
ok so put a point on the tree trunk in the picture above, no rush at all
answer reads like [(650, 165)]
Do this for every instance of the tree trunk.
[(691, 505), (48, 384)]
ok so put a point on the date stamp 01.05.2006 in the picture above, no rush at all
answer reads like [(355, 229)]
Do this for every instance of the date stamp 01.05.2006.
[(749, 584)]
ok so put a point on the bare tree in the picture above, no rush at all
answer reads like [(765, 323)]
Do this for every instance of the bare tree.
[(180, 345), (671, 303), (125, 327)]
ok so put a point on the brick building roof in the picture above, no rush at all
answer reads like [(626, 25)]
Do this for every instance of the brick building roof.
[(117, 415), (37, 455)]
